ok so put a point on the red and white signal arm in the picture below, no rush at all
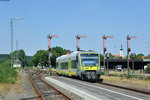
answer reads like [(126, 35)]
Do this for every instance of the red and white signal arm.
[(56, 36), (84, 36)]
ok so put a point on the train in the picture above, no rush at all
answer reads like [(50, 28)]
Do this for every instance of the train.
[(83, 65)]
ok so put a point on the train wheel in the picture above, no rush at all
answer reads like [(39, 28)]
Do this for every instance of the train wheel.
[(83, 78)]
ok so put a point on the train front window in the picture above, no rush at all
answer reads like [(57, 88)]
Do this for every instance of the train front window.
[(89, 59)]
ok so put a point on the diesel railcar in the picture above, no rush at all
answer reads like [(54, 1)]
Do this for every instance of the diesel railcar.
[(85, 65)]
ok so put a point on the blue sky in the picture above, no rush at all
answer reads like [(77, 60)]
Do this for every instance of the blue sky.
[(68, 18)]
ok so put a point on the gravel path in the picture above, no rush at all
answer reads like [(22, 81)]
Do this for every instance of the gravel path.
[(26, 91)]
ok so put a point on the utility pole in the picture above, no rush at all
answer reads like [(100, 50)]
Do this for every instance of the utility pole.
[(104, 50), (78, 38), (49, 40), (11, 25), (17, 52), (128, 51)]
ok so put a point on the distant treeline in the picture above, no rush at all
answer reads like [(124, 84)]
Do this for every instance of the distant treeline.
[(41, 56), (26, 60)]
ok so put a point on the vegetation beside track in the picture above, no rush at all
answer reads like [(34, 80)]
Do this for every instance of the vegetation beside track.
[(7, 73), (124, 75), (8, 77), (131, 81)]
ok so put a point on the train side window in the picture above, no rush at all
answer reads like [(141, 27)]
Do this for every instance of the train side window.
[(57, 65), (64, 65), (73, 64)]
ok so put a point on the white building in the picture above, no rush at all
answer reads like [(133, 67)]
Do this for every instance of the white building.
[(17, 63), (121, 51)]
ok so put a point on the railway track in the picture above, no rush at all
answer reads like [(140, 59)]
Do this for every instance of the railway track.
[(45, 90), (56, 95)]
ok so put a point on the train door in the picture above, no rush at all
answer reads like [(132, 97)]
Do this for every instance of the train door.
[(69, 67)]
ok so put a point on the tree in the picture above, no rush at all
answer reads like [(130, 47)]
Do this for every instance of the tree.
[(148, 57), (91, 51), (56, 52), (41, 56), (101, 57), (29, 60), (4, 57), (22, 56), (139, 56)]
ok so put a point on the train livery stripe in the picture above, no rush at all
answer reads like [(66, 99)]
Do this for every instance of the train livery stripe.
[(67, 73)]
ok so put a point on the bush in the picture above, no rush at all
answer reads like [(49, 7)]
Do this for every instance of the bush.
[(147, 78), (102, 73), (7, 73), (148, 67)]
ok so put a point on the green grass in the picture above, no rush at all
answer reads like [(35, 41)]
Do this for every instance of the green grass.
[(7, 73)]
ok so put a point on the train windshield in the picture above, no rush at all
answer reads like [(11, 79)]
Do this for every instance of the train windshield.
[(89, 59)]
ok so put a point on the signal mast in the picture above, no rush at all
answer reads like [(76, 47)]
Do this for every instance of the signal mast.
[(104, 49), (128, 50), (78, 38), (49, 40)]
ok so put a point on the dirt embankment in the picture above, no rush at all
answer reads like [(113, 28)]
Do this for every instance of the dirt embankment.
[(22, 89)]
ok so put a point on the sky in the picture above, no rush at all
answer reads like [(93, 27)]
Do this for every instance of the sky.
[(67, 18)]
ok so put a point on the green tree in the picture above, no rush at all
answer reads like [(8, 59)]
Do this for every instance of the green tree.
[(56, 52), (101, 57), (41, 57), (3, 59), (22, 56), (91, 51), (130, 57), (148, 57), (139, 56), (148, 67), (29, 61)]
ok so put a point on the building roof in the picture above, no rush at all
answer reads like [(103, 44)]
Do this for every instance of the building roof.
[(116, 55)]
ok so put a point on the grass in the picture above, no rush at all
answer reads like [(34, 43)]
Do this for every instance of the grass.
[(128, 82), (4, 87), (7, 73), (17, 87), (18, 84)]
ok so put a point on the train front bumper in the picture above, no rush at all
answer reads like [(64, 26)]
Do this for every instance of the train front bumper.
[(91, 75)]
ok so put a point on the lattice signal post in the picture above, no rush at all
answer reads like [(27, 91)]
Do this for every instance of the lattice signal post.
[(128, 50), (49, 41), (78, 38), (104, 50)]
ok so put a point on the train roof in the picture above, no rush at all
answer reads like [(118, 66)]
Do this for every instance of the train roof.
[(73, 54)]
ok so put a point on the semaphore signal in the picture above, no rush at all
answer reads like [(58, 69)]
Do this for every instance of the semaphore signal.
[(104, 50), (128, 50), (49, 41), (78, 38)]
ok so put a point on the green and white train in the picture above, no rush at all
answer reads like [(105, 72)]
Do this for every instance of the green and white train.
[(85, 65)]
